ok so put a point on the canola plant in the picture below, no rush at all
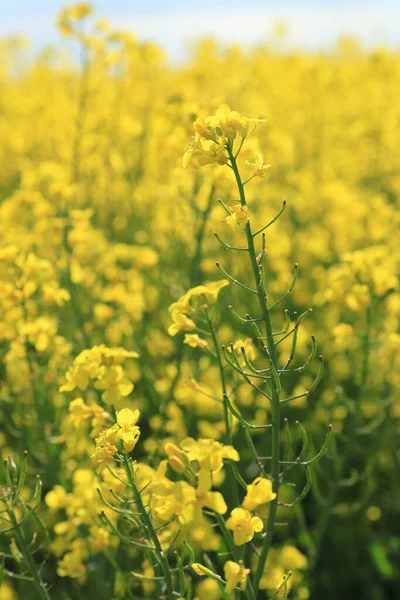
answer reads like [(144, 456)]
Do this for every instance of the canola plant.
[(199, 324)]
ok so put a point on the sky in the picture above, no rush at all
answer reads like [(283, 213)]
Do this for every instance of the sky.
[(173, 24)]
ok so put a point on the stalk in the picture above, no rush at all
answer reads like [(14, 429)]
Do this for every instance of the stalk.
[(231, 480), (195, 276), (27, 554), (228, 435), (149, 527), (275, 408)]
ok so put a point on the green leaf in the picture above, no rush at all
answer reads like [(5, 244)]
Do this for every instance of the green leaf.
[(381, 560)]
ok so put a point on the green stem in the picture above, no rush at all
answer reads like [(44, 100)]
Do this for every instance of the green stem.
[(149, 527), (195, 278), (24, 548), (231, 479), (228, 434), (275, 408), (195, 271)]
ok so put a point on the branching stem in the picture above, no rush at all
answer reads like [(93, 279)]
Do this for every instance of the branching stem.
[(275, 408)]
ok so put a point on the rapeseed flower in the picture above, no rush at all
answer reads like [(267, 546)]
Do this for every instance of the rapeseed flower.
[(243, 526), (258, 493)]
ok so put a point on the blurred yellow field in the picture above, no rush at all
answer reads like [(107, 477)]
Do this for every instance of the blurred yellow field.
[(176, 422)]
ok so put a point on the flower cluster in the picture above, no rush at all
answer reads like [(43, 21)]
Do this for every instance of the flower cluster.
[(183, 310), (362, 276), (125, 430), (201, 463), (80, 509), (103, 367), (213, 133)]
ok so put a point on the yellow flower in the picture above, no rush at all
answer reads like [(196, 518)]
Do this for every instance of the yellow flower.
[(208, 453), (209, 290), (72, 566), (127, 418), (232, 123), (248, 346), (71, 14), (205, 497), (213, 288), (180, 323), (6, 591), (260, 169), (114, 383), (80, 10), (177, 458), (182, 305), (291, 558), (103, 365), (206, 152), (243, 525), (215, 132), (235, 575), (202, 570), (259, 492), (174, 499), (239, 216), (129, 432), (186, 305), (79, 411), (195, 341), (208, 589), (124, 429), (104, 453), (204, 129), (57, 498)]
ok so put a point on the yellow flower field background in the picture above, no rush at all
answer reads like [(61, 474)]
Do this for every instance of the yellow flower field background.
[(159, 440)]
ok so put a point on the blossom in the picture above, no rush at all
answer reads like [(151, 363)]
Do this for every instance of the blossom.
[(79, 411), (249, 349), (177, 458), (129, 432), (202, 570), (124, 429), (259, 492), (206, 152), (174, 500), (281, 560), (114, 383), (213, 288), (103, 367), (239, 215), (180, 323), (208, 453), (195, 341), (209, 144), (243, 525), (71, 565), (207, 498), (73, 14), (235, 574), (260, 169), (186, 305), (208, 589), (104, 453), (57, 498)]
